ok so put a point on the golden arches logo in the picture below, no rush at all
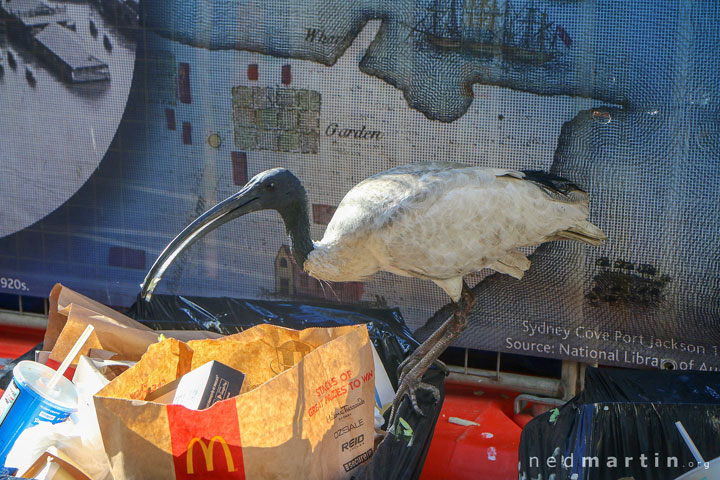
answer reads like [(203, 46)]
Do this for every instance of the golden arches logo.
[(208, 453)]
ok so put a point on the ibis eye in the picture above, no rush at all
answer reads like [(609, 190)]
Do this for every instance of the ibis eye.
[(270, 186)]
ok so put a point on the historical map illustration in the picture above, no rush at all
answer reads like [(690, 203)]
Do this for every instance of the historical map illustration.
[(618, 96)]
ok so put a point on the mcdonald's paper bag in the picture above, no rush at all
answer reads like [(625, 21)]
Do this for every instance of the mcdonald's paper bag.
[(305, 409)]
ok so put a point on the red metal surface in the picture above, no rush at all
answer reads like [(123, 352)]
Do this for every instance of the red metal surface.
[(488, 451), (14, 341)]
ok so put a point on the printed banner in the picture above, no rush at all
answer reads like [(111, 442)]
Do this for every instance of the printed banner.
[(106, 160)]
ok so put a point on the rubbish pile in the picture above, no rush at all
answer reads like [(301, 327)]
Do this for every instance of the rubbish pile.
[(653, 424), (108, 397)]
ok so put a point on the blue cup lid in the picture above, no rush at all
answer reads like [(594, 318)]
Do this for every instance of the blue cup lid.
[(36, 376)]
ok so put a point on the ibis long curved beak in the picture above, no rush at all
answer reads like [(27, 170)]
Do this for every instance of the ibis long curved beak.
[(243, 202)]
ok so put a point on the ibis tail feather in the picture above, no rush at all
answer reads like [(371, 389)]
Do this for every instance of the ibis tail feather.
[(514, 264), (585, 232)]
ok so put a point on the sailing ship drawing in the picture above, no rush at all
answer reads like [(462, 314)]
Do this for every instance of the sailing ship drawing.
[(485, 28)]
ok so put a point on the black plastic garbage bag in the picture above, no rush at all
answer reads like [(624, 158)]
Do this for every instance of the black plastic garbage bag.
[(622, 426), (397, 457)]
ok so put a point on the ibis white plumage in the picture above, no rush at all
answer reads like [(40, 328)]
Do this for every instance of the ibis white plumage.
[(436, 221)]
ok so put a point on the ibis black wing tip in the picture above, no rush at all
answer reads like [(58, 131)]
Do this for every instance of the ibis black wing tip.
[(551, 183)]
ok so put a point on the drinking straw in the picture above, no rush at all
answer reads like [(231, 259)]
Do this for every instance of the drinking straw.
[(690, 444), (70, 356)]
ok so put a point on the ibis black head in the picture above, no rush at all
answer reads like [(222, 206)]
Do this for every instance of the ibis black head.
[(275, 189)]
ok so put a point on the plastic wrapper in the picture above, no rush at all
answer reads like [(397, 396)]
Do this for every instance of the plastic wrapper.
[(69, 440), (623, 426), (400, 456)]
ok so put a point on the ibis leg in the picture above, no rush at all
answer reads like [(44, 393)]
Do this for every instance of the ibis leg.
[(436, 345), (422, 350), (466, 303)]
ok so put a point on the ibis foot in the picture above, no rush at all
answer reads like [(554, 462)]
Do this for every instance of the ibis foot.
[(410, 385)]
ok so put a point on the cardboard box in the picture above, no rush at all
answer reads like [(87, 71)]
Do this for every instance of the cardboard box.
[(201, 388), (51, 466)]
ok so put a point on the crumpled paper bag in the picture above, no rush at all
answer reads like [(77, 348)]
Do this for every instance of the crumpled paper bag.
[(70, 312)]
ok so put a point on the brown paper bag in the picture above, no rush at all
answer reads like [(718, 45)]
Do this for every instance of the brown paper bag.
[(113, 332), (60, 300), (306, 411)]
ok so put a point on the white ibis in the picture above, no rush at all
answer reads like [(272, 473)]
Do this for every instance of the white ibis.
[(437, 221)]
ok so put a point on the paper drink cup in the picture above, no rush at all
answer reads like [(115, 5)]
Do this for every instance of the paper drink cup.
[(28, 400)]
